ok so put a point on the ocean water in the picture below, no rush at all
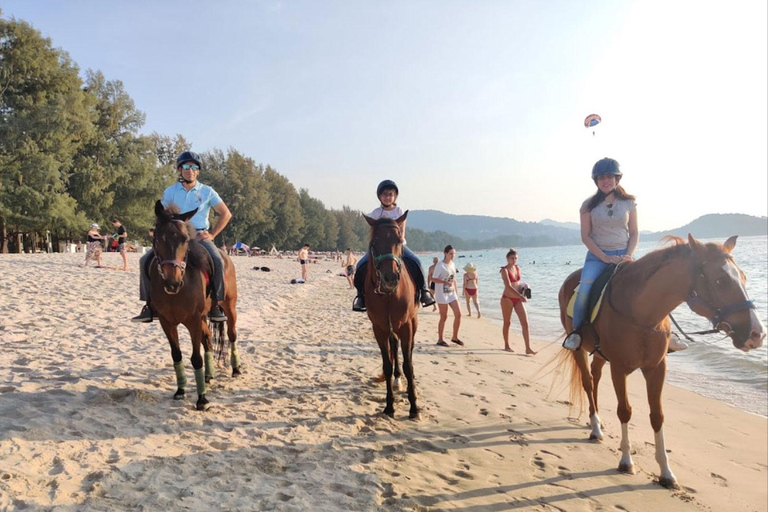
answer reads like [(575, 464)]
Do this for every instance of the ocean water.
[(712, 366)]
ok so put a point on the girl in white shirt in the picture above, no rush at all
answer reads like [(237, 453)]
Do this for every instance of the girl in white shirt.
[(447, 291)]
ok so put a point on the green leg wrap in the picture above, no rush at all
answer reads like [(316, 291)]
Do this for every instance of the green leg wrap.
[(181, 378), (200, 380), (234, 356), (210, 365)]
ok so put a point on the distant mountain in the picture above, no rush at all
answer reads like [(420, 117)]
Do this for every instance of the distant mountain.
[(480, 228), (566, 225), (720, 225)]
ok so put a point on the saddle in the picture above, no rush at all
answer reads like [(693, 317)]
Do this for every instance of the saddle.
[(595, 294)]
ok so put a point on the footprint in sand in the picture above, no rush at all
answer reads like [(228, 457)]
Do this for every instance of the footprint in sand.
[(719, 480)]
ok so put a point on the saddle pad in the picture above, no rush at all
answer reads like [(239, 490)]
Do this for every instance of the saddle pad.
[(595, 294)]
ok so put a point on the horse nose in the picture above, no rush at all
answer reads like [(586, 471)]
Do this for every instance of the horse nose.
[(756, 338)]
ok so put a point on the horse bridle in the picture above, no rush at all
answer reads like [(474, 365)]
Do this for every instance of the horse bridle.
[(181, 265), (715, 315), (376, 260)]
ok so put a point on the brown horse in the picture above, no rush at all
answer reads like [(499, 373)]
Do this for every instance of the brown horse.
[(178, 275), (632, 330), (390, 299)]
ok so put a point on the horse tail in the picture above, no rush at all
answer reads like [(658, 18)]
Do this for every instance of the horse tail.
[(563, 365)]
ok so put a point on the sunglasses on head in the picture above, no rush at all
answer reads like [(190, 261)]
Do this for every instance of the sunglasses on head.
[(187, 167)]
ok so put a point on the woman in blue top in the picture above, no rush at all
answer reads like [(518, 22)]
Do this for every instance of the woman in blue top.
[(387, 193), (609, 230)]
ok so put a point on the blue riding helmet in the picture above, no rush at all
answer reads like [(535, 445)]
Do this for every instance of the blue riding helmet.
[(387, 185), (606, 166), (189, 156)]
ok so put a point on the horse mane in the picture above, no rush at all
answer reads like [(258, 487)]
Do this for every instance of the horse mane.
[(642, 269), (198, 255)]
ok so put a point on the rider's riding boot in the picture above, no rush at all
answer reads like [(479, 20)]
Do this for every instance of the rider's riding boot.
[(359, 304), (427, 299), (676, 344), (573, 341), (217, 314), (146, 315)]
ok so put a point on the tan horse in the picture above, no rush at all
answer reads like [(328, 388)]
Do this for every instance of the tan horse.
[(389, 297), (632, 330), (178, 294)]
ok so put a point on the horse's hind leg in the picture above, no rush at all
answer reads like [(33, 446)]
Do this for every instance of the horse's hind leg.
[(582, 361), (382, 338), (654, 382), (624, 412), (234, 356), (210, 360), (407, 334), (172, 333), (395, 363)]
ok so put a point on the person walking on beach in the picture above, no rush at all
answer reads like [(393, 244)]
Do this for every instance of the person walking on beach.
[(609, 230), (446, 293), (121, 236), (93, 246), (304, 260), (513, 298), (189, 194), (430, 282), (470, 287), (349, 263), (387, 193)]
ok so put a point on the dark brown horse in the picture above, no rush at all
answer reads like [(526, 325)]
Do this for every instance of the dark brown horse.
[(390, 299), (179, 274), (632, 330)]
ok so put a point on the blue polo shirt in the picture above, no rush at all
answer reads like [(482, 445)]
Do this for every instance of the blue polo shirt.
[(200, 196)]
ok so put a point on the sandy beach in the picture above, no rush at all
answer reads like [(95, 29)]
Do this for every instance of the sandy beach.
[(87, 419)]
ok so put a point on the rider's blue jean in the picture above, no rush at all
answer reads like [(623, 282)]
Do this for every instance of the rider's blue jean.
[(593, 267), (217, 278)]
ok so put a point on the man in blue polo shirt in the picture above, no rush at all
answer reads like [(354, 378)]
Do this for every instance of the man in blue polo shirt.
[(187, 195)]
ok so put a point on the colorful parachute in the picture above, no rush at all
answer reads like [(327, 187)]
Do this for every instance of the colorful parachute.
[(591, 121)]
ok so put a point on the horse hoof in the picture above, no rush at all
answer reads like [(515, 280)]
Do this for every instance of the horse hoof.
[(208, 379), (202, 403), (596, 438), (669, 483), (628, 469), (414, 415), (236, 372), (391, 413), (179, 394)]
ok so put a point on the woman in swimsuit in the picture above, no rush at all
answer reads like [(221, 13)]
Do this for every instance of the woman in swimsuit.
[(513, 299), (470, 287)]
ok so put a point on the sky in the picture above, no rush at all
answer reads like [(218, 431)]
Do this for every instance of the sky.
[(472, 107)]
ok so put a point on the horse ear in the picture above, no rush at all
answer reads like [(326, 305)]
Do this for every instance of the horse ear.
[(184, 217), (730, 244), (159, 208), (369, 220), (402, 218), (696, 246)]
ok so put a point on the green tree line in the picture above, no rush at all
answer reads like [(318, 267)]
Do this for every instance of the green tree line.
[(71, 153)]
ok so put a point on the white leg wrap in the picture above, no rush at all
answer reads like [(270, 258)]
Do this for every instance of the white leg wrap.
[(626, 464), (661, 457)]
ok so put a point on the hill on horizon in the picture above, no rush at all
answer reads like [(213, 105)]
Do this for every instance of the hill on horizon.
[(720, 225)]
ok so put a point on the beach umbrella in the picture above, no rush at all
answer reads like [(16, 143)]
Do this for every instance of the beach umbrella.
[(591, 121)]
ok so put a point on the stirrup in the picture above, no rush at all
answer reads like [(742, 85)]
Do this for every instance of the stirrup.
[(359, 304), (572, 341), (217, 315), (676, 344), (427, 299), (146, 316)]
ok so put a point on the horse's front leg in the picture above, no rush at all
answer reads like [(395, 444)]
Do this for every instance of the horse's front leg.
[(407, 333), (382, 338), (654, 383), (172, 333), (624, 412), (210, 360), (196, 333), (395, 363)]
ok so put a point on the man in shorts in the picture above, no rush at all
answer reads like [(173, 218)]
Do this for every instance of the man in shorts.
[(121, 236)]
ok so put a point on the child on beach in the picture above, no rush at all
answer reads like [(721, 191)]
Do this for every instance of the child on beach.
[(446, 291), (513, 299), (387, 193), (609, 230), (470, 287)]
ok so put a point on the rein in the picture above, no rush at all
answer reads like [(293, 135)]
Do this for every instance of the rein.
[(376, 261)]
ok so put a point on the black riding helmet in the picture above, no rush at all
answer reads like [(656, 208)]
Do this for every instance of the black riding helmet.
[(606, 166), (189, 156), (387, 185)]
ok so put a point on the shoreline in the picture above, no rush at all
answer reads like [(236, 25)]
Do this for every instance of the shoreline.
[(88, 420)]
